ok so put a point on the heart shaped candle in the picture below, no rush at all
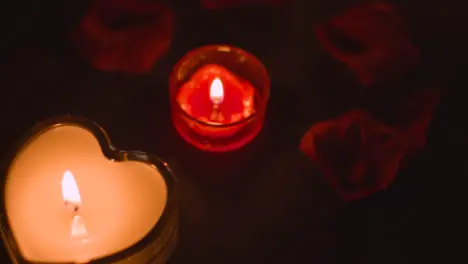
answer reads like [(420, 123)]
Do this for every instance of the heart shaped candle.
[(70, 196)]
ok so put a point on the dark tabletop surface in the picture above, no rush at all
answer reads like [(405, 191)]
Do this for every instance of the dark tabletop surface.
[(266, 203)]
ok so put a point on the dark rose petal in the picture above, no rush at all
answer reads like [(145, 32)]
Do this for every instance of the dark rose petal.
[(415, 115), (124, 35), (353, 135), (372, 40), (218, 4), (361, 156)]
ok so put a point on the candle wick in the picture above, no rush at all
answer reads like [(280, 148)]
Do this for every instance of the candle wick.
[(75, 207), (214, 112), (216, 115)]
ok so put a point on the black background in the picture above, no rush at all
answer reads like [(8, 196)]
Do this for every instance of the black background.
[(266, 203)]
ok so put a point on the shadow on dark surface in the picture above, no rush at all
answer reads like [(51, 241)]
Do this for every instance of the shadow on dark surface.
[(265, 203)]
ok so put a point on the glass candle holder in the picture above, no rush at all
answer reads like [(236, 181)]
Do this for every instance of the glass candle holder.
[(219, 96), (71, 197)]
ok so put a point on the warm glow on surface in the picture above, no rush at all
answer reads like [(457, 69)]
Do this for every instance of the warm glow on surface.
[(216, 91), (70, 191)]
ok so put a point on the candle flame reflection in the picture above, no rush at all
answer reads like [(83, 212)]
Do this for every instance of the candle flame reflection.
[(70, 192), (78, 228), (216, 91)]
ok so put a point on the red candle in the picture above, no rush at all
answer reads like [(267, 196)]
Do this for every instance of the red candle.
[(216, 97), (215, 108)]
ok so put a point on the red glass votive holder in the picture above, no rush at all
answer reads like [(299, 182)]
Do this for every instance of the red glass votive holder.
[(219, 96)]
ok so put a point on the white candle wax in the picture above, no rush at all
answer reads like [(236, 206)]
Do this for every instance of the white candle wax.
[(119, 202)]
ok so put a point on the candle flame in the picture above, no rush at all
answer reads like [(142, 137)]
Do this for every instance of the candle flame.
[(216, 91), (70, 191)]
